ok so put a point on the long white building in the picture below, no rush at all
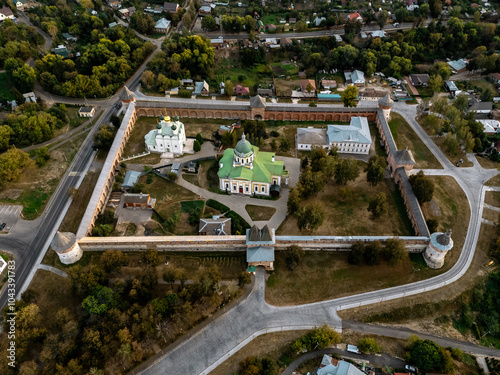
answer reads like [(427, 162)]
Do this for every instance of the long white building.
[(354, 138), (169, 136)]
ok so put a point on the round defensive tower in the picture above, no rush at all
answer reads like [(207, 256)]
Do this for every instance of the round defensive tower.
[(439, 246), (127, 96), (386, 104), (66, 247)]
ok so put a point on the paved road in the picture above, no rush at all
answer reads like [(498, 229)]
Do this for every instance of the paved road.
[(240, 325), (374, 360), (29, 255)]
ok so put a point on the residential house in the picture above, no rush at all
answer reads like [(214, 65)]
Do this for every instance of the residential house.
[(317, 21), (451, 87), (62, 51), (246, 170), (355, 17), (86, 111), (205, 10), (286, 42), (331, 366), (495, 78), (292, 20), (29, 97), (138, 201), (260, 26), (131, 11), (6, 12), (265, 92), (114, 3), (186, 82), (69, 37), (241, 90), (156, 10), (482, 108), (20, 4), (215, 42), (130, 179), (171, 7), (372, 94), (356, 78), (112, 24), (201, 88), (490, 126), (172, 91), (411, 5), (458, 66), (420, 79), (308, 87), (329, 84), (124, 13), (271, 27), (378, 34), (302, 75), (162, 25), (215, 226)]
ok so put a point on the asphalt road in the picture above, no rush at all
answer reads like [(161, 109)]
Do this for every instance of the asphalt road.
[(28, 256)]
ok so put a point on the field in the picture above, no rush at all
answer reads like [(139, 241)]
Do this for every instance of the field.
[(405, 137), (229, 69), (284, 87), (74, 120), (37, 185), (206, 127), (350, 216), (260, 213)]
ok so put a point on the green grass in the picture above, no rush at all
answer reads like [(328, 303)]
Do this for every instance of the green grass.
[(188, 206), (5, 85), (33, 201), (405, 137), (74, 120)]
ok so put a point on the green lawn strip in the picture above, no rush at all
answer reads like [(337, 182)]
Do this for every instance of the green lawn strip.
[(188, 206)]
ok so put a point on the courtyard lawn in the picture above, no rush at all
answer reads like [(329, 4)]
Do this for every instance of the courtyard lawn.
[(75, 120), (205, 127), (188, 206), (405, 137), (350, 217), (260, 213), (494, 181), (135, 144), (201, 179), (492, 198), (487, 163)]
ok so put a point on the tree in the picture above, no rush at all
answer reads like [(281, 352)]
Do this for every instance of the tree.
[(24, 78), (104, 138), (369, 345), (422, 186), (293, 203), (85, 279), (382, 18), (304, 163), (378, 206), (310, 183), (113, 260), (42, 156), (199, 138), (350, 96), (115, 121), (432, 224), (101, 300), (355, 256), (274, 145), (310, 217), (375, 170), (435, 83), (284, 144), (372, 253), (346, 170), (228, 88), (208, 23), (12, 163), (196, 146), (170, 275), (244, 278), (395, 251), (426, 355), (293, 257), (151, 257)]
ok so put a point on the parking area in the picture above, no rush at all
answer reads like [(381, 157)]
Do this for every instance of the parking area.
[(9, 215), (132, 215)]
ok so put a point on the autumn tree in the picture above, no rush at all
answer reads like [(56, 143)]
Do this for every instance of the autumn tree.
[(113, 260), (422, 186), (435, 83), (372, 253), (293, 257), (151, 257), (293, 203), (395, 251), (103, 139), (350, 96), (356, 254), (346, 170), (12, 163)]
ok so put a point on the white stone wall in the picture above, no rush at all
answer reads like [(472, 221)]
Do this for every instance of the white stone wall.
[(72, 255), (433, 257)]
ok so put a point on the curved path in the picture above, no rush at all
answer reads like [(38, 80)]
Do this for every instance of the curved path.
[(254, 317)]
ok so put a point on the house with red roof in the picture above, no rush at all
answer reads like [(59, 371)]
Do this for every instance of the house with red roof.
[(355, 17), (241, 91)]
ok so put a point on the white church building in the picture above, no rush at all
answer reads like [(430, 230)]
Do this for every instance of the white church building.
[(354, 138), (169, 136)]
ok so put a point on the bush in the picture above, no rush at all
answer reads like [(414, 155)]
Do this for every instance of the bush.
[(369, 345), (199, 138), (238, 224), (294, 255), (196, 146), (185, 94), (244, 278), (274, 134), (217, 205)]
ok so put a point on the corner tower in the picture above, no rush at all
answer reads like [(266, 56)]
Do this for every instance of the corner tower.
[(439, 246), (386, 104), (66, 247)]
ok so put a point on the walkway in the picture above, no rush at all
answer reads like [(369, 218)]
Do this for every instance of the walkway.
[(55, 270)]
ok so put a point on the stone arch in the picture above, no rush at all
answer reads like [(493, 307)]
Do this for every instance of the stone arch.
[(141, 112), (235, 115), (303, 117), (225, 115), (243, 116), (201, 114), (279, 117), (329, 117), (321, 117), (258, 117), (150, 112), (345, 118), (185, 114), (210, 114), (295, 117), (272, 117), (288, 116), (336, 118), (218, 115), (193, 114), (312, 117)]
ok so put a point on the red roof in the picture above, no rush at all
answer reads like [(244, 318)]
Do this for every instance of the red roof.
[(354, 16), (242, 90)]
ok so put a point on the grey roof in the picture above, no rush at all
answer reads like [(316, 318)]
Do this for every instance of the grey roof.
[(404, 157), (386, 101), (458, 64), (420, 79), (62, 241), (422, 229), (85, 109), (198, 86), (130, 179), (482, 106), (388, 135), (354, 76), (6, 11), (170, 7), (311, 136), (451, 85), (342, 368), (136, 198), (357, 131), (215, 227), (264, 236), (127, 94), (444, 238), (257, 102), (260, 254), (253, 234), (162, 23)]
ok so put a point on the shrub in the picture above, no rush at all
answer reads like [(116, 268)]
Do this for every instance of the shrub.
[(217, 205)]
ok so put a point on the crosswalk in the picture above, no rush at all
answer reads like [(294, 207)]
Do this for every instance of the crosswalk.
[(10, 210)]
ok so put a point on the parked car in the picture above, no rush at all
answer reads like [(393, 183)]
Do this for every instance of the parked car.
[(412, 369), (395, 24)]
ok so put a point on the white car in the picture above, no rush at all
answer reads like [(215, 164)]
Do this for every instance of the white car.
[(411, 369)]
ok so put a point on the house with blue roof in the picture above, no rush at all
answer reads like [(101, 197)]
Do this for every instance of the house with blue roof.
[(458, 66), (356, 78), (130, 180), (353, 139), (162, 25), (330, 366)]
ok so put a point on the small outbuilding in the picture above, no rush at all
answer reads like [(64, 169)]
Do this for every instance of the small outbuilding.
[(86, 111)]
